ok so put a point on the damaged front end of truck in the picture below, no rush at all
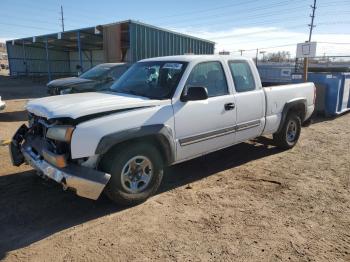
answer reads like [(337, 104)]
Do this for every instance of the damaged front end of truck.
[(45, 145)]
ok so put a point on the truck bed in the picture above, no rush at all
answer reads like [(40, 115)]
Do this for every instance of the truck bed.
[(277, 97)]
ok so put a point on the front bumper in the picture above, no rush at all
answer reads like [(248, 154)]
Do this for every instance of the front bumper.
[(86, 182)]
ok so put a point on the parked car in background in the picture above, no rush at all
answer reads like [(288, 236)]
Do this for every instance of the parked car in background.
[(98, 78), (162, 111), (2, 104)]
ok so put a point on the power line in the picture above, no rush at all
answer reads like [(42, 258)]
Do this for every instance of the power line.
[(258, 32), (272, 30), (262, 40), (230, 17), (253, 16), (263, 48), (36, 8), (206, 10), (289, 37), (26, 26), (177, 15), (209, 9), (238, 13), (333, 43), (265, 22), (264, 31), (260, 23), (258, 9), (278, 46), (204, 34), (29, 20)]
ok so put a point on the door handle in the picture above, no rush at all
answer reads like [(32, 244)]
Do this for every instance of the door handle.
[(229, 106)]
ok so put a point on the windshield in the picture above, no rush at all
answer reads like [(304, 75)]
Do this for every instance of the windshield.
[(96, 72), (156, 80)]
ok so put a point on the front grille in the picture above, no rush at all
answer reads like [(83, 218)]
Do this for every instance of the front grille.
[(38, 128)]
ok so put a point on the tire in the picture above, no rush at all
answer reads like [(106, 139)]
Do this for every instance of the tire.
[(289, 135), (131, 188)]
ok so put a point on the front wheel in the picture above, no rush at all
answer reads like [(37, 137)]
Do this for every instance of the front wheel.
[(136, 173), (290, 132)]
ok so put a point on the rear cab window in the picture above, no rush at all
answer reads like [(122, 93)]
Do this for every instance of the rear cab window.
[(242, 76)]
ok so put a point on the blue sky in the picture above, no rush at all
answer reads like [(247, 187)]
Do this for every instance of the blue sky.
[(232, 24)]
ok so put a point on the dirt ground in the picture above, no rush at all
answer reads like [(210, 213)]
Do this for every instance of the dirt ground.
[(250, 202)]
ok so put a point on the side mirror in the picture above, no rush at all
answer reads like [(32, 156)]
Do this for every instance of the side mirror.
[(194, 93)]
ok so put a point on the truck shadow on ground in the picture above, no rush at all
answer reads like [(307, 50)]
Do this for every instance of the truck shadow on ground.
[(319, 118), (33, 209)]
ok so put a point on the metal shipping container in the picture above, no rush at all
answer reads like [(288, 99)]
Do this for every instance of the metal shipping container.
[(276, 73), (332, 91)]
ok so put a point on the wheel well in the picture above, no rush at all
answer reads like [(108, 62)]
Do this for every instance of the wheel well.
[(158, 141), (298, 107), (299, 110)]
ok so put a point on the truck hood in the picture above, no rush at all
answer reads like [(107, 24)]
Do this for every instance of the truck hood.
[(68, 81), (84, 104)]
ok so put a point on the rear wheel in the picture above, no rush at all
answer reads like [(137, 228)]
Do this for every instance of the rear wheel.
[(136, 173), (290, 132)]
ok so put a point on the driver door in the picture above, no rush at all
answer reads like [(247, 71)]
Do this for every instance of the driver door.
[(208, 125)]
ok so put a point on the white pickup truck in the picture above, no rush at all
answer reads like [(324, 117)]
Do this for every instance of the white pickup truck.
[(162, 111)]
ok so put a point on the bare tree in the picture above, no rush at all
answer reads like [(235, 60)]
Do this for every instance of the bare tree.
[(280, 56)]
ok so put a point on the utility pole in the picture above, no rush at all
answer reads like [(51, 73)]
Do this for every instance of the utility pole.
[(312, 20), (62, 19), (311, 25), (241, 50), (256, 57)]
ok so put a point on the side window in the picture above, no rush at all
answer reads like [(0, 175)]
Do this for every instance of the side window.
[(242, 76), (209, 75)]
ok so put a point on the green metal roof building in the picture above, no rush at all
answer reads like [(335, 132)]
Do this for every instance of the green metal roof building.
[(64, 53)]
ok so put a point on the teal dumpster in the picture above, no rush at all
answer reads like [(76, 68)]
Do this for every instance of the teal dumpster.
[(332, 91)]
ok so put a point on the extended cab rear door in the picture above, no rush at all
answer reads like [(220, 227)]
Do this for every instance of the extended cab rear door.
[(207, 125), (250, 99)]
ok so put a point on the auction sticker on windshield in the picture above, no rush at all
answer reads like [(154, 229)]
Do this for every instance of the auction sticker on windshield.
[(175, 66)]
